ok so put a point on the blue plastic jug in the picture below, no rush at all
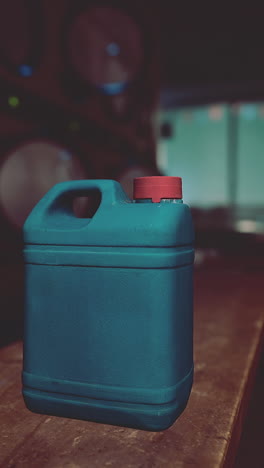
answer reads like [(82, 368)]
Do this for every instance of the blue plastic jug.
[(109, 305)]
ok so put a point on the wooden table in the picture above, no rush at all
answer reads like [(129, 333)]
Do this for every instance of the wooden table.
[(228, 333)]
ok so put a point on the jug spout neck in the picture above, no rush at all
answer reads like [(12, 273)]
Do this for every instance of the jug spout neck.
[(163, 200)]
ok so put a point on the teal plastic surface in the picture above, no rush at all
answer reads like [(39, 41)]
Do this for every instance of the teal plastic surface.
[(108, 308)]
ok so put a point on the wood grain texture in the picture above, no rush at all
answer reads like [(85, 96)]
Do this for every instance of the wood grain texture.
[(229, 323)]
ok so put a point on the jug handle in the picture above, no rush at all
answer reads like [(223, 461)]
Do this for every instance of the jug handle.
[(56, 200)]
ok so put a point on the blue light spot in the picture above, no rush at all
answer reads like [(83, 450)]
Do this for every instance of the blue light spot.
[(25, 70), (113, 49), (111, 89)]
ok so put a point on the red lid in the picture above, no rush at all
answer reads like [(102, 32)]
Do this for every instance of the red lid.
[(157, 188)]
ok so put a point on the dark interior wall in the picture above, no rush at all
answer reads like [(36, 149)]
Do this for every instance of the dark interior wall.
[(208, 42), (59, 101)]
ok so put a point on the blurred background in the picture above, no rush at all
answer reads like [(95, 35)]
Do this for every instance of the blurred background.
[(121, 89)]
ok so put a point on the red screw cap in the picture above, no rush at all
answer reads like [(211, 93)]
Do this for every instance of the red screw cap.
[(157, 188)]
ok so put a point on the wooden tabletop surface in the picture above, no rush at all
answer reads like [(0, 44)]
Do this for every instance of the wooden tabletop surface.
[(229, 323)]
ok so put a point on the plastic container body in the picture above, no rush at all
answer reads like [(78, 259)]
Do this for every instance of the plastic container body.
[(108, 309)]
